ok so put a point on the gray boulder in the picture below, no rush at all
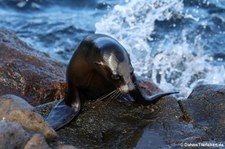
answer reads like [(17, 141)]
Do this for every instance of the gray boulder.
[(12, 136), (9, 103), (17, 110)]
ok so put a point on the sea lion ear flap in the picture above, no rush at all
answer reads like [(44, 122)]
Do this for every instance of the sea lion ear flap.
[(99, 63)]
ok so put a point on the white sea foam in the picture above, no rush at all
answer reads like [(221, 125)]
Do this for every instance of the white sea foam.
[(175, 63)]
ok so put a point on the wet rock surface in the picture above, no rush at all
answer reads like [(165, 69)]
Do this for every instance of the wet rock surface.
[(206, 105), (113, 124), (205, 108), (108, 123), (28, 73), (167, 129)]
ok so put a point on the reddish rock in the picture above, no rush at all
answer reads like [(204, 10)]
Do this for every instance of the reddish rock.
[(148, 86), (29, 73)]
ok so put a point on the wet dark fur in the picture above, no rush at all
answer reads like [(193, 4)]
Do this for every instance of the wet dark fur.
[(89, 77)]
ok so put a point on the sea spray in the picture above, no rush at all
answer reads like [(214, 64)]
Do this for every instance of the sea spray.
[(175, 62)]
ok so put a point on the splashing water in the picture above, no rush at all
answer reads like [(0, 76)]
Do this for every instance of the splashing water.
[(167, 42), (178, 44)]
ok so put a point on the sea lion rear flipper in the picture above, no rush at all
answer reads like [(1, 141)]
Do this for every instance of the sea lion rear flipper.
[(62, 114)]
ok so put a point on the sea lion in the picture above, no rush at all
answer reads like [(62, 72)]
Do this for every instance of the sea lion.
[(99, 68)]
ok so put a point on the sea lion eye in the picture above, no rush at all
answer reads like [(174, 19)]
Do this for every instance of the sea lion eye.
[(115, 76)]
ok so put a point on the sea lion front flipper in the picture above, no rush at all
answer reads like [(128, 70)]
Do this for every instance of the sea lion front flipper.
[(142, 97), (155, 98), (62, 114)]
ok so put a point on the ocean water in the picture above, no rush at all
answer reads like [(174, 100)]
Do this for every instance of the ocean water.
[(178, 44)]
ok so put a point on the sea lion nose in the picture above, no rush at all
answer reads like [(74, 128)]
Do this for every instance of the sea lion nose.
[(124, 89)]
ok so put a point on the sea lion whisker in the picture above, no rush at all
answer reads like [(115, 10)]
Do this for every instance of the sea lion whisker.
[(105, 96), (110, 99), (112, 95), (109, 95), (119, 94), (115, 95)]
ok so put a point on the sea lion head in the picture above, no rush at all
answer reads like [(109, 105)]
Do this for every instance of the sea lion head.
[(116, 64)]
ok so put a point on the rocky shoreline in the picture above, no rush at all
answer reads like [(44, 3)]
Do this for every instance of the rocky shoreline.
[(28, 73), (31, 82)]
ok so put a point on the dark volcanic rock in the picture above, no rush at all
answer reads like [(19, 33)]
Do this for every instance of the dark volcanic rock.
[(167, 129), (167, 124), (66, 147), (28, 73), (206, 104), (205, 108), (113, 124)]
